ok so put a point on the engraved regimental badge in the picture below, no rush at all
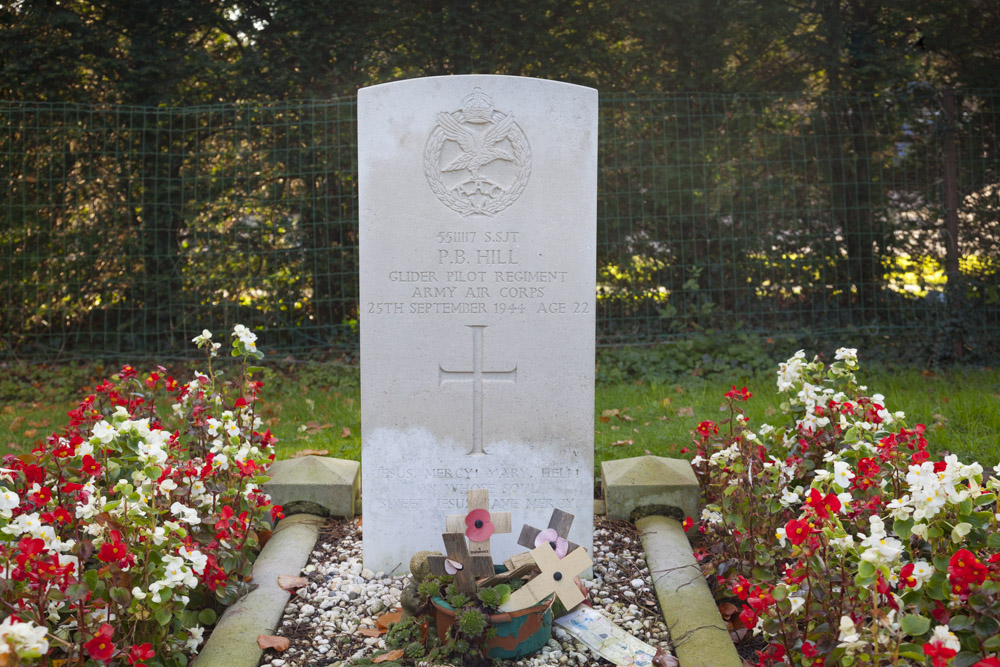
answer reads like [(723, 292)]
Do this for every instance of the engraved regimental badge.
[(477, 159)]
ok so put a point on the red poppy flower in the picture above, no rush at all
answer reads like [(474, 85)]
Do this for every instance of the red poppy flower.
[(100, 647), (478, 527)]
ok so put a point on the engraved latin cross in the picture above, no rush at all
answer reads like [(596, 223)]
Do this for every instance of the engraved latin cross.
[(477, 376)]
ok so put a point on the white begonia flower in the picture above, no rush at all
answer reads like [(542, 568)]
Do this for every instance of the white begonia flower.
[(195, 638), (166, 486), (232, 430), (711, 516), (945, 637), (842, 474), (846, 354), (247, 337), (922, 573), (220, 461), (822, 474), (844, 543), (789, 498), (213, 425), (197, 559), (138, 593), (25, 639), (790, 372), (899, 508), (885, 551), (205, 337), (8, 500), (186, 514), (848, 633), (781, 535), (104, 432)]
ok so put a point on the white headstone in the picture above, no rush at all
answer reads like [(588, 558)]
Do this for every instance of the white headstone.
[(477, 249)]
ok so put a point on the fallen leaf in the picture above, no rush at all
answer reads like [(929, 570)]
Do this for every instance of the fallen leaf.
[(388, 618), (13, 445), (928, 374), (665, 402), (769, 411), (628, 418), (391, 655), (42, 423), (622, 443), (345, 432), (685, 412), (310, 452), (728, 610), (30, 433), (664, 659), (270, 641), (16, 424), (370, 632), (290, 582)]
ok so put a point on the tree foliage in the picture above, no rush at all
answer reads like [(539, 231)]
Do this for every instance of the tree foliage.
[(772, 129)]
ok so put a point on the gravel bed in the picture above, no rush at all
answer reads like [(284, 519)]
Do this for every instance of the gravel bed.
[(323, 617)]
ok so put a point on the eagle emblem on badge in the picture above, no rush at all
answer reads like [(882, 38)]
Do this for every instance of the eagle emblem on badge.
[(477, 160)]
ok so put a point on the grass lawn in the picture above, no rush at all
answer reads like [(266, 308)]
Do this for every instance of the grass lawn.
[(315, 406)]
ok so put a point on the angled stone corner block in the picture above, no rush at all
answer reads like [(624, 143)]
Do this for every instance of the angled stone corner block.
[(319, 485), (649, 485)]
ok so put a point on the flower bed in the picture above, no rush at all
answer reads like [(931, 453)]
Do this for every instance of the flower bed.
[(124, 533), (844, 541)]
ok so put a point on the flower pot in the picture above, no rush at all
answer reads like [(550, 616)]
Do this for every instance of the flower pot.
[(519, 633)]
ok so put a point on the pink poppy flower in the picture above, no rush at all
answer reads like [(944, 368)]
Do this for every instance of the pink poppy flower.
[(551, 537), (452, 566), (478, 526)]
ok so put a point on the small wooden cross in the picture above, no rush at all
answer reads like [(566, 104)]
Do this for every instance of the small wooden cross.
[(559, 522), (556, 576), (456, 563), (479, 499)]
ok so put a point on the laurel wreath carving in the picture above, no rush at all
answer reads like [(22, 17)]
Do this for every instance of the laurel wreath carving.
[(465, 207)]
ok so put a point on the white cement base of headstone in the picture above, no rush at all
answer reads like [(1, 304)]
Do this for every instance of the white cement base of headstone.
[(522, 481)]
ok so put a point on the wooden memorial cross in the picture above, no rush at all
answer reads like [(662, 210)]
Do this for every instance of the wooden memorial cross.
[(456, 563), (556, 576), (559, 522), (479, 523)]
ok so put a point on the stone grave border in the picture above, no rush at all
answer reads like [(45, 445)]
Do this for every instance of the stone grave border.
[(653, 492)]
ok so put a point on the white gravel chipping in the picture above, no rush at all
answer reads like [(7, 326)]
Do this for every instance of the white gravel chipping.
[(323, 618)]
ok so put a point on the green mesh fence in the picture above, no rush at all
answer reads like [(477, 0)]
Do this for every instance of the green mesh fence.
[(130, 229)]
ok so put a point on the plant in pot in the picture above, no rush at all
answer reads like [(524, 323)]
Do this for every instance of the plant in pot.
[(483, 612)]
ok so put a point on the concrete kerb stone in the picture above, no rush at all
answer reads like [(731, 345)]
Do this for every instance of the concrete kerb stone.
[(644, 485), (699, 635), (320, 485), (233, 642)]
